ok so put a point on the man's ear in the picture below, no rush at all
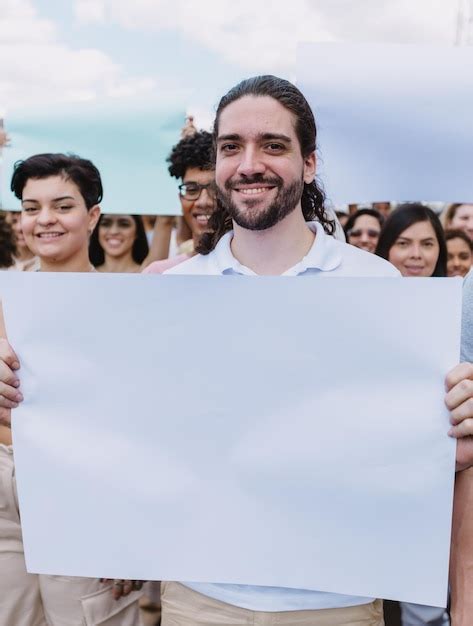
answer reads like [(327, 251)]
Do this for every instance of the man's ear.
[(310, 167)]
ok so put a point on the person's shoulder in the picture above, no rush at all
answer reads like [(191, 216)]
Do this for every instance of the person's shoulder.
[(198, 264), (357, 262), (159, 267)]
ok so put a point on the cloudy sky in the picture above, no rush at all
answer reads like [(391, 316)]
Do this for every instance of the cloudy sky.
[(79, 50)]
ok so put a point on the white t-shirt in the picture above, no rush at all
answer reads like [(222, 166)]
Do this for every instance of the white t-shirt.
[(326, 258)]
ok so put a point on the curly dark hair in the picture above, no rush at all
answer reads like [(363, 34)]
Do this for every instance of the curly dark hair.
[(80, 171), (193, 151), (287, 94), (7, 243), (139, 251), (400, 220)]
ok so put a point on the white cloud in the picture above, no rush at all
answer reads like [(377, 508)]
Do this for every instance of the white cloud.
[(261, 38), (38, 68), (89, 11)]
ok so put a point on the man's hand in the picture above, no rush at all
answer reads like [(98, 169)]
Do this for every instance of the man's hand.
[(459, 400), (10, 395)]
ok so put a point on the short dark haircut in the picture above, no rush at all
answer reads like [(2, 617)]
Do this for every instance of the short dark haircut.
[(290, 97), (193, 151), (456, 233), (354, 216), (7, 243), (402, 218), (80, 171), (139, 251)]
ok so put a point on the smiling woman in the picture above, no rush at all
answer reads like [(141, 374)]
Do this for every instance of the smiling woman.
[(60, 197), (412, 240), (118, 244)]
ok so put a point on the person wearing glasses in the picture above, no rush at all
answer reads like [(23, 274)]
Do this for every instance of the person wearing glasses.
[(191, 162), (362, 229)]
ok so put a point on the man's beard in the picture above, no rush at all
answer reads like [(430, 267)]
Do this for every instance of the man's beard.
[(286, 200)]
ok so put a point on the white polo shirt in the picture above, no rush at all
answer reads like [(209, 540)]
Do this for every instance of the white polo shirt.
[(327, 257)]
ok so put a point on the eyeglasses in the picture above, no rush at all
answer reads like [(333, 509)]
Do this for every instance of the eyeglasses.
[(372, 234), (192, 191)]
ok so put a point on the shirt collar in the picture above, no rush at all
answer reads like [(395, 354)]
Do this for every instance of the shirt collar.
[(324, 255)]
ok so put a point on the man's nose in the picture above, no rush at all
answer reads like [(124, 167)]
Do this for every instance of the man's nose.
[(206, 199), (251, 163)]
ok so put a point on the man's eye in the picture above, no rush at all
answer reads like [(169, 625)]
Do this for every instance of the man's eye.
[(275, 147), (229, 147)]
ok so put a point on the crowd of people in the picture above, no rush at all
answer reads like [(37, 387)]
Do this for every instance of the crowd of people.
[(252, 205)]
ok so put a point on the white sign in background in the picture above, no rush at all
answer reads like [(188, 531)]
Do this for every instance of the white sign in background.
[(394, 121), (246, 430)]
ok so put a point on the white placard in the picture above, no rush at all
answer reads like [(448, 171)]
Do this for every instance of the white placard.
[(394, 122), (266, 431)]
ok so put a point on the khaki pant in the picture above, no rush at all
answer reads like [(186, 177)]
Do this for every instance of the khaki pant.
[(182, 606), (40, 600)]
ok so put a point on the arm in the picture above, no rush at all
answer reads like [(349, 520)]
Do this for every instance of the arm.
[(461, 561), (159, 247)]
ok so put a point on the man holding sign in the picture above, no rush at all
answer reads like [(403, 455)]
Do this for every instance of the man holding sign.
[(265, 169), (265, 175)]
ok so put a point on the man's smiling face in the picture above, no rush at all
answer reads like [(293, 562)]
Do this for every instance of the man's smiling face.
[(197, 212), (260, 171)]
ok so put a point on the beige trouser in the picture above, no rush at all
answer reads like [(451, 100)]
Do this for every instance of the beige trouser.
[(182, 606), (39, 600)]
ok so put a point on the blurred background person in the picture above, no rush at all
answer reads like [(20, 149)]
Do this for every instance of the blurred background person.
[(383, 208), (119, 244), (459, 217), (459, 253), (7, 244), (342, 217), (412, 239), (362, 229), (25, 260), (191, 161)]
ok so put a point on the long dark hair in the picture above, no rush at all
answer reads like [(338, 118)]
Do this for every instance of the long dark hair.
[(313, 197), (139, 251), (402, 218)]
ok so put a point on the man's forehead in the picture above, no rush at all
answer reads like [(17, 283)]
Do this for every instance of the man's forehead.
[(198, 175), (254, 116)]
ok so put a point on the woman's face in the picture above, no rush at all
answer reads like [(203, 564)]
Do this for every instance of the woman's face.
[(16, 226), (55, 221), (365, 233), (463, 219), (415, 252), (117, 234), (459, 257)]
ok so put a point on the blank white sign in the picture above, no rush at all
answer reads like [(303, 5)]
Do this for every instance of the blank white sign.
[(266, 431), (394, 121)]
